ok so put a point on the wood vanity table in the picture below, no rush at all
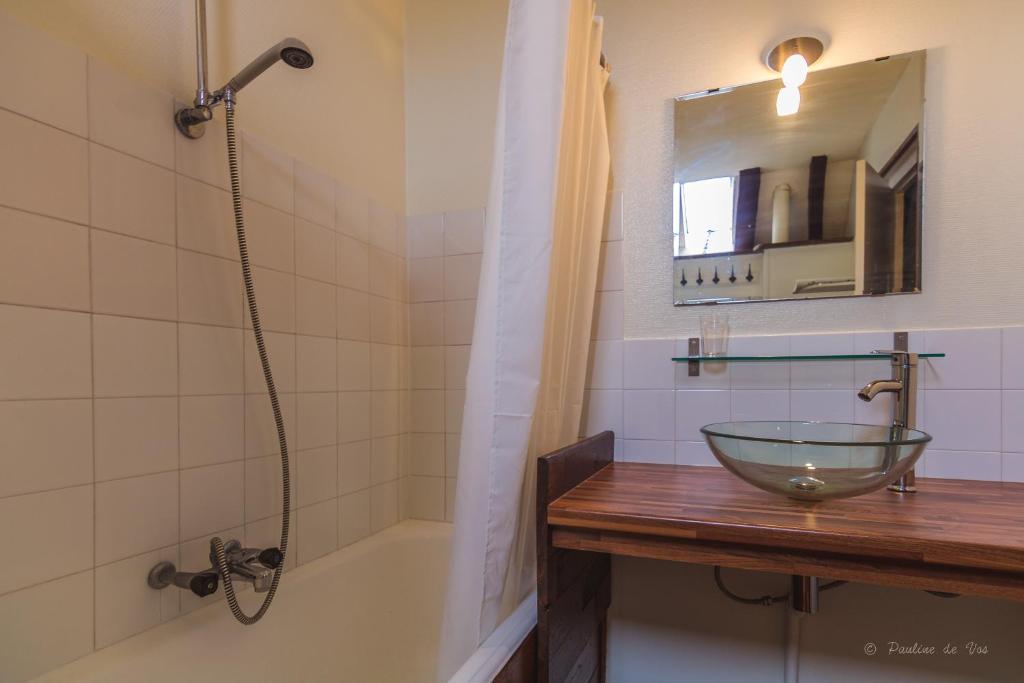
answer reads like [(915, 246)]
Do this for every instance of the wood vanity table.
[(955, 536)]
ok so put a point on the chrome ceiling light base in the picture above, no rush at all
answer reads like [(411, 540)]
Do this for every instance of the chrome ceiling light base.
[(811, 48)]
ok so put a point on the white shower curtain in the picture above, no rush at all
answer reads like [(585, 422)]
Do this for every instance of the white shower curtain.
[(528, 362)]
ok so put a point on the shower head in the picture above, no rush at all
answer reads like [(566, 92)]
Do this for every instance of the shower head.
[(291, 51)]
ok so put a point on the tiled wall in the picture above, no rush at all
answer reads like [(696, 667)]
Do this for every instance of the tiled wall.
[(972, 401), (444, 270), (133, 418)]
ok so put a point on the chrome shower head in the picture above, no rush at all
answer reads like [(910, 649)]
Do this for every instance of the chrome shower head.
[(291, 51)]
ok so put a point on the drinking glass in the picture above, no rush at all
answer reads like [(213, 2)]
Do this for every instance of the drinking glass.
[(714, 334)]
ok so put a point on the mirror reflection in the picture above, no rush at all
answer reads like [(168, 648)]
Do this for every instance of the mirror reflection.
[(818, 198)]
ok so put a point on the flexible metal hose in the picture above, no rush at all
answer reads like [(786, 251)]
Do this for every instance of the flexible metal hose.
[(216, 545)]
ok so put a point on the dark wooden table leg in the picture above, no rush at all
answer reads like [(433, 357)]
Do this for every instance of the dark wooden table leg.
[(573, 587)]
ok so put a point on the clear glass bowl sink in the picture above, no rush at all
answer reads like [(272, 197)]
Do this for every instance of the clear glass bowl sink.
[(815, 460)]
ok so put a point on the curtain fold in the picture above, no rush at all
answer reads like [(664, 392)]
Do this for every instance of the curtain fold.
[(524, 389)]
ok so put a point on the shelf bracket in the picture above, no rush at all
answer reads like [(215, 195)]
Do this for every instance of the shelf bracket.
[(693, 352)]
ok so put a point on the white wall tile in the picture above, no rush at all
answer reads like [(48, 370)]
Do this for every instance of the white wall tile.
[(353, 314), (354, 369), (53, 90), (45, 262), (136, 515), (31, 640), (822, 405), (317, 475), (972, 359), (204, 158), (209, 290), (131, 196), (263, 497), (317, 359), (696, 408), (383, 227), (211, 499), (606, 365), (354, 517), (352, 213), (44, 354), (464, 232), (454, 403), (426, 498), (133, 277), (135, 436), (1013, 421), (44, 170), (426, 235), (315, 308), (458, 321), (46, 535), (427, 407), (275, 296), (45, 445), (1013, 467), (746, 375), (659, 452), (205, 219), (353, 416), (964, 420), (281, 352), (130, 116), (269, 174), (1013, 358), (964, 465), (427, 367), (610, 269), (353, 263), (271, 236), (317, 529), (608, 316), (760, 404), (314, 251), (211, 360), (426, 455), (647, 364), (134, 357), (602, 411), (354, 466), (865, 371), (384, 457), (648, 414), (124, 604), (314, 195), (426, 324), (694, 453), (426, 279), (825, 374), (212, 429), (384, 411), (456, 366), (383, 506), (461, 276), (317, 420)]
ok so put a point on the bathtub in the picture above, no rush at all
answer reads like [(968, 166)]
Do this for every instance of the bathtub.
[(369, 612)]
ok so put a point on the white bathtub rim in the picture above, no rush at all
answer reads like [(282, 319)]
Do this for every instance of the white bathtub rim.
[(495, 652)]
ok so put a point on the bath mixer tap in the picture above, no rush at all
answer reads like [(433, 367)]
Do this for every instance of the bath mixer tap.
[(903, 384), (254, 565)]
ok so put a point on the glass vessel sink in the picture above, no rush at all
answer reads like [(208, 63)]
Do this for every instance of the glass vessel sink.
[(815, 460)]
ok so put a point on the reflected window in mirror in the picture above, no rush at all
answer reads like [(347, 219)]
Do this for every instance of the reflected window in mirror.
[(825, 202)]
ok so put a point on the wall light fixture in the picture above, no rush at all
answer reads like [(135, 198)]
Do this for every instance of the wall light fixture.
[(791, 58)]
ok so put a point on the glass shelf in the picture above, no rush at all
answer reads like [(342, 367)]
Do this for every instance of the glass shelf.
[(770, 359)]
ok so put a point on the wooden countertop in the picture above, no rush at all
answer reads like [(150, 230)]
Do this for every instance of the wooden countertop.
[(949, 535)]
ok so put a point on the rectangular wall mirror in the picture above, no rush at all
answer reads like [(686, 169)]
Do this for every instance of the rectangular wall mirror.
[(824, 202)]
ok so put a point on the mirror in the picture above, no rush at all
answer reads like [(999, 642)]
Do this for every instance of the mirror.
[(824, 202)]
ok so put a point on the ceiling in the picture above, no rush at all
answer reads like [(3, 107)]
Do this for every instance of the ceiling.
[(720, 134)]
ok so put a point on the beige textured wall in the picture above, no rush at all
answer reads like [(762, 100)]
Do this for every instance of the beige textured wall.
[(345, 115), (660, 48), (453, 64)]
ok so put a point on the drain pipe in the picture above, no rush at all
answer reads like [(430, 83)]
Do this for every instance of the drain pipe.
[(791, 661)]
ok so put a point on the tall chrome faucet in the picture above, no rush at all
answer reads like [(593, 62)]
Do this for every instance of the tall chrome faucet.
[(903, 384)]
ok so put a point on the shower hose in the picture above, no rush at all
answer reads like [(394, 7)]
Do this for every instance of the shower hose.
[(216, 544)]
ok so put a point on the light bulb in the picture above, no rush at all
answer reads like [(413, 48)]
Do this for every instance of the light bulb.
[(794, 71), (788, 102)]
